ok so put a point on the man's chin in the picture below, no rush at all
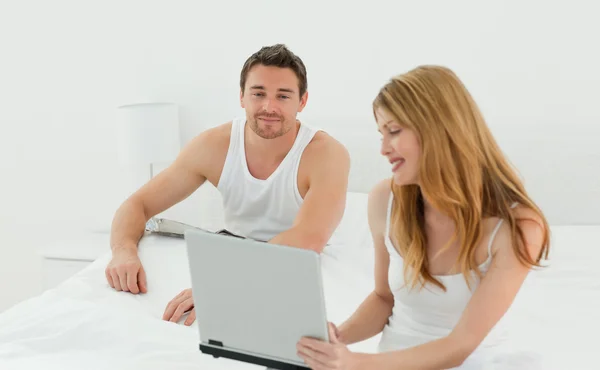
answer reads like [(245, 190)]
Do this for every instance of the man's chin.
[(269, 124), (268, 134), (268, 130)]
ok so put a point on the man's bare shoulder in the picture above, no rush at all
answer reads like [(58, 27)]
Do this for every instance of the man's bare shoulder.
[(211, 138), (205, 154), (324, 160), (324, 148)]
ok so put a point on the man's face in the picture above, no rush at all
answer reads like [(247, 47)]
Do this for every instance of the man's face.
[(271, 100)]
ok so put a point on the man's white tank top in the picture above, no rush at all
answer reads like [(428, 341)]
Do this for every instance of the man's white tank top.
[(255, 208)]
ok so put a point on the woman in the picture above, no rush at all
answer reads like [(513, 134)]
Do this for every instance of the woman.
[(455, 235)]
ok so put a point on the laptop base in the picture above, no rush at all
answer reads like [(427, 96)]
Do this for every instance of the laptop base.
[(272, 364)]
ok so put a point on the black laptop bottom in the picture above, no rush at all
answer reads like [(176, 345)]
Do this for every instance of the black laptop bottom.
[(271, 364)]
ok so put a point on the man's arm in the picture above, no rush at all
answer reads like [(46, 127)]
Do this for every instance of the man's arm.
[(187, 173), (328, 164), (166, 189)]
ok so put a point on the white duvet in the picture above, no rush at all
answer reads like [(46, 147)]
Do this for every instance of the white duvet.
[(85, 324)]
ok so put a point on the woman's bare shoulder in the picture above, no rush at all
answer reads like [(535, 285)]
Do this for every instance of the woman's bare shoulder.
[(531, 226), (378, 204)]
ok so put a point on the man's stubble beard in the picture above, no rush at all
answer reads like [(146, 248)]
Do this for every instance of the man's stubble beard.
[(270, 134)]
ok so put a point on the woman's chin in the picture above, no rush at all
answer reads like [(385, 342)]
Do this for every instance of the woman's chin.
[(400, 180)]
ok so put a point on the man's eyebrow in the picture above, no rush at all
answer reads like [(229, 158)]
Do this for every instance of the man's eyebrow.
[(261, 87)]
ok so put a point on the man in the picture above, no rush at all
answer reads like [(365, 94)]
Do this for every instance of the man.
[(281, 181)]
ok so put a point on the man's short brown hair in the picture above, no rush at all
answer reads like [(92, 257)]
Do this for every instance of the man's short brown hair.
[(279, 56)]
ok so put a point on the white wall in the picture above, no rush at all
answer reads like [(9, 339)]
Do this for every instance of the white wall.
[(65, 65)]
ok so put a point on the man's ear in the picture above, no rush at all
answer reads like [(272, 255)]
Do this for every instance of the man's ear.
[(242, 98), (303, 101)]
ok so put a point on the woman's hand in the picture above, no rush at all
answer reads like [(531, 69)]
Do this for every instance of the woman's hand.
[(320, 355)]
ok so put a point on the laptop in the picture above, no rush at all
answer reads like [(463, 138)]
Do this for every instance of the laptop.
[(255, 300)]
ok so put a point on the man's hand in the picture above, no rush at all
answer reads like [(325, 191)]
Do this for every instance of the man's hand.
[(179, 305), (126, 273)]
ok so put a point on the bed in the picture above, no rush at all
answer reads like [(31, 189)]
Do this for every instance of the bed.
[(83, 323)]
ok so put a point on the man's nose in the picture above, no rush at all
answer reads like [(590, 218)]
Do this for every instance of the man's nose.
[(269, 105)]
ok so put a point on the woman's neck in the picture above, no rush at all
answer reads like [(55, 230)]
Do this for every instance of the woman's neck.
[(434, 218)]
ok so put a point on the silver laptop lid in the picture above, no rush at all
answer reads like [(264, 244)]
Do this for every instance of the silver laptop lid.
[(254, 297)]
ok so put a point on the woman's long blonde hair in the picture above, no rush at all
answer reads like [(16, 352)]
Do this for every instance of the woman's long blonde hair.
[(462, 173)]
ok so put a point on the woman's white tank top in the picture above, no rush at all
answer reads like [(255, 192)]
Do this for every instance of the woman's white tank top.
[(429, 313)]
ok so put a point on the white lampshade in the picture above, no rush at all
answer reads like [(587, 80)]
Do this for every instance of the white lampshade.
[(147, 133)]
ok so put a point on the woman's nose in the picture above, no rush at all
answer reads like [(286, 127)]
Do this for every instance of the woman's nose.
[(385, 147)]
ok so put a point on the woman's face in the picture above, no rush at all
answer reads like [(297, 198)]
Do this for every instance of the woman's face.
[(401, 147)]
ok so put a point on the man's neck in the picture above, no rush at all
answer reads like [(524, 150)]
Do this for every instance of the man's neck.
[(276, 148)]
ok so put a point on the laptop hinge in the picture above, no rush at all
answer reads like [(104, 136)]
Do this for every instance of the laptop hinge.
[(215, 343)]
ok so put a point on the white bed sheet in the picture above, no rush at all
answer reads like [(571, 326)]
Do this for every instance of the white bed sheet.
[(85, 324)]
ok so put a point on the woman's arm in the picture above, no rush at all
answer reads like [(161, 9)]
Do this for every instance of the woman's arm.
[(489, 303), (372, 315)]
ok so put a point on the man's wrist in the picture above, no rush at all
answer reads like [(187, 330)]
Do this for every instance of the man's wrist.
[(128, 248)]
